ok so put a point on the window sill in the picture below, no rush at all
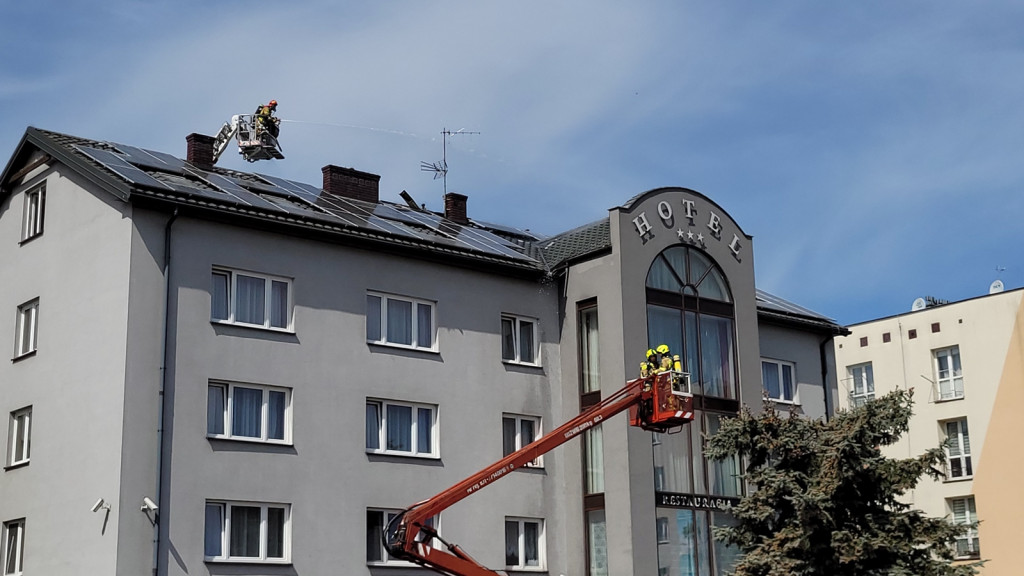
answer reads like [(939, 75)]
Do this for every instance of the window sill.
[(246, 440), (23, 356), (530, 569), (960, 479), (944, 400), (254, 327), (247, 561), (17, 465), (523, 364), (403, 347), (403, 455), (784, 402)]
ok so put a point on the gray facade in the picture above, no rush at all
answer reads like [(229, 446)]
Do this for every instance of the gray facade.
[(275, 374)]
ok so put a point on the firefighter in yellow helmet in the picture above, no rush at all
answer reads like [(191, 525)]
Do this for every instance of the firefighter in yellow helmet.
[(649, 366), (265, 117), (668, 360)]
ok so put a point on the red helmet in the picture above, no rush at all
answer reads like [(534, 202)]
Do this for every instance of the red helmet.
[(273, 103)]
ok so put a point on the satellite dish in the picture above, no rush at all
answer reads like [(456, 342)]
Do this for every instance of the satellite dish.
[(996, 287), (918, 304)]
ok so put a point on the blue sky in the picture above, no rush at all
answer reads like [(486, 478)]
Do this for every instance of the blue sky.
[(874, 149)]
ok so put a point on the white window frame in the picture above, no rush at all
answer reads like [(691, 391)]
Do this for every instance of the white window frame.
[(228, 390), (27, 336), (20, 434), (541, 548), (32, 216), (970, 536), (520, 442), (387, 514), (779, 364), (268, 294), (225, 532), (961, 440), (382, 321), (950, 387), (862, 388), (517, 323), (14, 556), (382, 428)]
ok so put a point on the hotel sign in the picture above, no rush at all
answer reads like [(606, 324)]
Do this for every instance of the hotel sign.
[(698, 227), (695, 501)]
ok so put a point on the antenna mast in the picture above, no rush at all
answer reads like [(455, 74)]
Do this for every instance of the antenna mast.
[(440, 169)]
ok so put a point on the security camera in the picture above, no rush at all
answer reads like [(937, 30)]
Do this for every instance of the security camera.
[(100, 504), (149, 505)]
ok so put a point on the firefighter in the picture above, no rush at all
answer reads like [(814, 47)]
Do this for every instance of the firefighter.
[(668, 360), (265, 117), (650, 366)]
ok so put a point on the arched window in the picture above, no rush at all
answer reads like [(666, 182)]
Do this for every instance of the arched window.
[(690, 308)]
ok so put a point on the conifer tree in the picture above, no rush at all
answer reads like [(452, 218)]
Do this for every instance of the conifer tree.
[(824, 500)]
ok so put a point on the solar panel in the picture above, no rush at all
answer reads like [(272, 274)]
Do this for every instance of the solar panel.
[(118, 165), (151, 159)]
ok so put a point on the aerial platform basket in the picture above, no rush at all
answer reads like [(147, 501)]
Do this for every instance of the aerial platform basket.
[(669, 405)]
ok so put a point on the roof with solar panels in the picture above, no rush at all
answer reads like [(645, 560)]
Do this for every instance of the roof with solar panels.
[(146, 176)]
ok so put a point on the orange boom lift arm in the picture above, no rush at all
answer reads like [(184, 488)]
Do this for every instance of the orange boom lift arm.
[(658, 403)]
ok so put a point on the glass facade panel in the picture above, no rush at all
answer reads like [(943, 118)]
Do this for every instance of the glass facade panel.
[(717, 374), (662, 278), (597, 543), (589, 345)]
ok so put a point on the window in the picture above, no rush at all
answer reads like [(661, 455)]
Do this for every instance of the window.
[(32, 222), (862, 383), (377, 520), (593, 460), (958, 450), (251, 299), (590, 369), (519, 342), (519, 431), (779, 380), (597, 543), (21, 437), (662, 529), (948, 373), (401, 428), (964, 513), (690, 309), (28, 322), (399, 321), (248, 412), (247, 532), (14, 546), (524, 543)]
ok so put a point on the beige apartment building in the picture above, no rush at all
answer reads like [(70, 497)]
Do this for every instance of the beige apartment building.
[(965, 363)]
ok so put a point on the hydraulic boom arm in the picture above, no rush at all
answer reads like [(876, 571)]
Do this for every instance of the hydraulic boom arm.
[(659, 402)]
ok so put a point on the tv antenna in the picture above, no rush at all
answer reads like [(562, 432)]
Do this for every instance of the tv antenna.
[(440, 169)]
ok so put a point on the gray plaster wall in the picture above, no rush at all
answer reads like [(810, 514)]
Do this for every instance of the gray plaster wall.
[(598, 278), (326, 475), (79, 270), (802, 349)]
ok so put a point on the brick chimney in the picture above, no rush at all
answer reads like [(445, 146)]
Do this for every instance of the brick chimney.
[(455, 208), (351, 183), (200, 150)]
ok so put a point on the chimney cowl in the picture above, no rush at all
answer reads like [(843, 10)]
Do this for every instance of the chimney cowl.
[(200, 150), (455, 208), (351, 183)]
